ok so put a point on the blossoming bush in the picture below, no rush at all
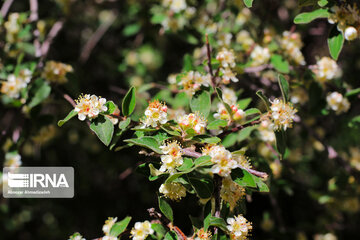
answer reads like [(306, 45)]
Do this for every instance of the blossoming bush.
[(243, 121)]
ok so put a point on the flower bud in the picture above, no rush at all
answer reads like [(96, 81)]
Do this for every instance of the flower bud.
[(350, 33)]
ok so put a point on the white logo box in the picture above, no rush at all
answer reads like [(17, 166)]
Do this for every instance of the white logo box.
[(38, 182)]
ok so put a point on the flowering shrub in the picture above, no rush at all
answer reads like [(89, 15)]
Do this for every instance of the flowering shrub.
[(255, 112)]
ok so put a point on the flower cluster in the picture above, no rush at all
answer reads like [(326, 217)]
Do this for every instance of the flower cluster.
[(141, 230), (266, 131), (226, 59), (229, 96), (236, 113), (192, 81), (89, 106), (174, 190), (291, 43), (244, 38), (259, 56), (192, 121), (337, 102), (347, 18), (201, 234), (172, 157), (222, 159), (177, 14), (326, 69), (76, 236), (14, 84), (55, 72), (299, 96), (108, 225), (239, 227), (282, 114), (12, 160), (13, 27), (231, 192), (155, 114)]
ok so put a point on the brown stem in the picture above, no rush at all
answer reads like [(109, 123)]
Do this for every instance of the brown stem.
[(95, 38), (216, 195), (50, 37), (34, 16), (5, 7), (208, 52)]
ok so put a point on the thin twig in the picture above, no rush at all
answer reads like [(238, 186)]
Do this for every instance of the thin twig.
[(34, 16), (95, 38), (50, 37), (208, 52), (191, 153), (257, 68), (5, 8)]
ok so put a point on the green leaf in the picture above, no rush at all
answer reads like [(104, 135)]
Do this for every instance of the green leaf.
[(111, 107), (245, 133), (243, 178), (280, 64), (352, 92), (188, 64), (252, 111), (119, 227), (40, 91), (171, 178), (159, 229), (216, 222), (170, 131), (166, 209), (129, 101), (148, 142), (262, 187), (103, 128), (335, 42), (280, 141), (244, 103), (230, 140), (206, 139), (322, 3), (201, 103), (187, 165), (202, 185), (284, 86), (171, 235), (248, 3), (307, 17), (219, 94), (354, 122), (67, 118), (217, 124), (132, 29), (124, 124), (203, 161), (264, 99), (158, 18)]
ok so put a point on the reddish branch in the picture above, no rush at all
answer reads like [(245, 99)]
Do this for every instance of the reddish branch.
[(191, 153), (208, 52), (167, 223), (5, 7), (95, 38), (50, 37), (34, 16)]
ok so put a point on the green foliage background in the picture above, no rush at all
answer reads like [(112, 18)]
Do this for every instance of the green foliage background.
[(314, 194)]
